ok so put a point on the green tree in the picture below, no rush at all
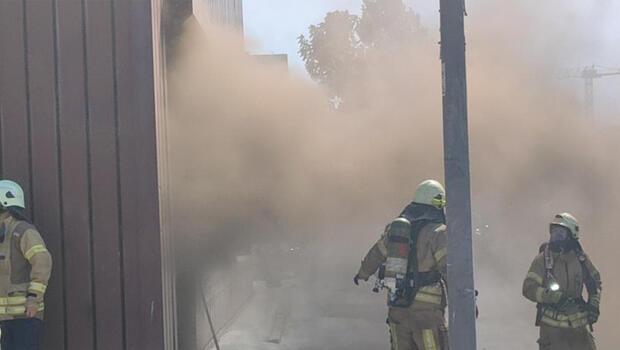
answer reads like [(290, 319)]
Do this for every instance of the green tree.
[(336, 50), (387, 24), (332, 51)]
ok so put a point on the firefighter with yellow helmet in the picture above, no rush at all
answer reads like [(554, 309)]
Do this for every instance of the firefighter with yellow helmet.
[(555, 282), (25, 267), (410, 258)]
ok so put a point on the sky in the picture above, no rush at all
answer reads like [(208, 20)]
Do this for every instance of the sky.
[(272, 26)]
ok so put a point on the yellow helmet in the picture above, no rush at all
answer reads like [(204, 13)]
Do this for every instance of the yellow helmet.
[(430, 192), (569, 221)]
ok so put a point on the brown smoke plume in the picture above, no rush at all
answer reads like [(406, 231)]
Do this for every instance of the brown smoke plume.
[(258, 154)]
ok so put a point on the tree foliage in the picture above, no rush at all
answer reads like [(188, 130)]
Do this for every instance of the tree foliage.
[(332, 50), (387, 23), (336, 50)]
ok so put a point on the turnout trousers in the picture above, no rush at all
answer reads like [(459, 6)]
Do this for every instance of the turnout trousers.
[(412, 329), (555, 338), (21, 334)]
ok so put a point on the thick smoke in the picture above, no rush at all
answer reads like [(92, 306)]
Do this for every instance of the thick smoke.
[(258, 155)]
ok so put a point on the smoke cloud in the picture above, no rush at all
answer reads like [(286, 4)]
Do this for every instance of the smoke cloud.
[(259, 156)]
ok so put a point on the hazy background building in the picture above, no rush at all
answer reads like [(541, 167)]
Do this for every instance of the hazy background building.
[(229, 14), (222, 12)]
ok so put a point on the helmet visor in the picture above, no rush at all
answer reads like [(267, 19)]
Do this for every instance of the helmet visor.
[(558, 233)]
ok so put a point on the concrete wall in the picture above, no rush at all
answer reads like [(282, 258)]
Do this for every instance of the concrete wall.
[(78, 128)]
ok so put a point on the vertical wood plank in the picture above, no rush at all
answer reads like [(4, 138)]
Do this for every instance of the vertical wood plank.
[(138, 165), (2, 84), (78, 130), (13, 88), (40, 29), (2, 79), (74, 163), (104, 182), (167, 249)]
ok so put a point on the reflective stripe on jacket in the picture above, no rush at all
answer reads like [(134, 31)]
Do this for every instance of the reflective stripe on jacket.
[(25, 268), (553, 318), (569, 273)]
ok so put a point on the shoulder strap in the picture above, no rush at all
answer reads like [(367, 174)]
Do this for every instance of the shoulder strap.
[(548, 258), (591, 284), (416, 227), (413, 264), (542, 247)]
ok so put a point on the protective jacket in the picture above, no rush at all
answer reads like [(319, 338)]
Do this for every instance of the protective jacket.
[(571, 271), (431, 251), (25, 268), (420, 325)]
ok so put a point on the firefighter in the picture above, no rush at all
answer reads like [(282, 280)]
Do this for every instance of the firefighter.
[(25, 267), (412, 252), (556, 281)]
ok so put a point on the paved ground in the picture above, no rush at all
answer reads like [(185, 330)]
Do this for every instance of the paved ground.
[(288, 318), (321, 309)]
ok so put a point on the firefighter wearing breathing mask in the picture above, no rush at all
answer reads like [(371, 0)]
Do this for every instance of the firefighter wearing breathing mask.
[(556, 281), (410, 259), (25, 267)]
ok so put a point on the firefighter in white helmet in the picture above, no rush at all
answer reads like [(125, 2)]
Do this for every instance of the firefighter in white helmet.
[(555, 282), (411, 259), (25, 267)]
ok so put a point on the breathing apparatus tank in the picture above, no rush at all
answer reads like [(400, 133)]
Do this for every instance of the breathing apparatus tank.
[(399, 245)]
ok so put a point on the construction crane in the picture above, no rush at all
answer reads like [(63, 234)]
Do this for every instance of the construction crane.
[(589, 74)]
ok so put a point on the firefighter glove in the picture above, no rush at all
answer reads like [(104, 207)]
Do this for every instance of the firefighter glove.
[(593, 313), (32, 307), (564, 303)]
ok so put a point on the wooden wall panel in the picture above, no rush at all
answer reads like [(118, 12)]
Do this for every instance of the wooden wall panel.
[(15, 95), (78, 101), (74, 154), (45, 192), (104, 187), (138, 176)]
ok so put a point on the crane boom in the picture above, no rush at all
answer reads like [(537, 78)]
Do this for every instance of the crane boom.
[(589, 74)]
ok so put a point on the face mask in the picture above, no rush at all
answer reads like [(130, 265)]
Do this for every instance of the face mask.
[(558, 233)]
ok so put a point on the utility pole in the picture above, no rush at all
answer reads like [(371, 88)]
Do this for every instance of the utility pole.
[(461, 290)]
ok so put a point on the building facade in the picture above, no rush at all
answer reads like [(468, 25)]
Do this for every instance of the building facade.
[(222, 12)]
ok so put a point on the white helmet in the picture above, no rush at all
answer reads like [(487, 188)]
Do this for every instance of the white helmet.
[(430, 192), (11, 194), (569, 221)]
